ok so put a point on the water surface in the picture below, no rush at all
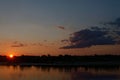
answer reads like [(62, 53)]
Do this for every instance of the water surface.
[(58, 73)]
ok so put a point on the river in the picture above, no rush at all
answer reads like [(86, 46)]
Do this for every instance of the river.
[(58, 73)]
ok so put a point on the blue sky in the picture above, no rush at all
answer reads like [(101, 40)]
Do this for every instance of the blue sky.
[(38, 20)]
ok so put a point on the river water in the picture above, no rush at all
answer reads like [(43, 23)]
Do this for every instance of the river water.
[(58, 73)]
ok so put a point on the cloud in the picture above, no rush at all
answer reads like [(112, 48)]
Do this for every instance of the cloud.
[(96, 28), (93, 36), (61, 27), (17, 44), (45, 40), (114, 23), (65, 40), (36, 44)]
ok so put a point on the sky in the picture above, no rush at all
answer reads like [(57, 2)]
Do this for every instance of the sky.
[(75, 27)]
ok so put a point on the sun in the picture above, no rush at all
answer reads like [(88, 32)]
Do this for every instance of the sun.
[(11, 55)]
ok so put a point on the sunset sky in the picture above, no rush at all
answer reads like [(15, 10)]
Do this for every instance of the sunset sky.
[(76, 27)]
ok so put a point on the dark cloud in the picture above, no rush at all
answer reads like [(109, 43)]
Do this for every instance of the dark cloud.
[(96, 28), (118, 32), (65, 40), (114, 23), (61, 27), (17, 44), (93, 36)]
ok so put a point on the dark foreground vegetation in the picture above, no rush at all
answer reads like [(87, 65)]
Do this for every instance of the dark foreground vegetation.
[(61, 60)]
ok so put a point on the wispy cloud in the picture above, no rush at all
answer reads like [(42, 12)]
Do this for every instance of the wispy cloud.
[(20, 44), (61, 27), (36, 44), (65, 41), (17, 44)]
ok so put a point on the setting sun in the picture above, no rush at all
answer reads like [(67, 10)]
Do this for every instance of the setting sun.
[(11, 55)]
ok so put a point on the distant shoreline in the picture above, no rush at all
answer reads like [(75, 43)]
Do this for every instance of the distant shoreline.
[(66, 60)]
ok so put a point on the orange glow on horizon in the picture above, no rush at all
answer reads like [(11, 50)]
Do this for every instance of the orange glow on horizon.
[(11, 56)]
